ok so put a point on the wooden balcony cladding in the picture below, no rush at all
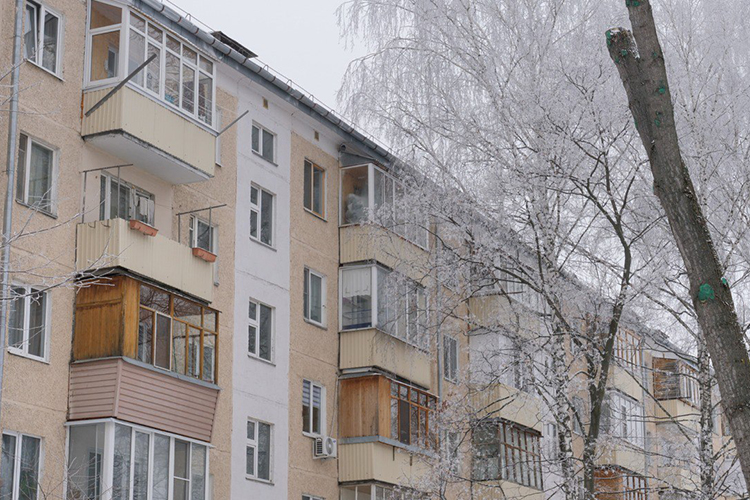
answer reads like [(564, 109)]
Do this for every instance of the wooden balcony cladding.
[(146, 132), (666, 378), (364, 406), (614, 483), (130, 391)]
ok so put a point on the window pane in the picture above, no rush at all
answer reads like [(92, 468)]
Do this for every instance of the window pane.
[(15, 326), (8, 467), (209, 357), (306, 295), (253, 224), (268, 139), (194, 352), (266, 217), (105, 55), (316, 298), (140, 466), (266, 327), (188, 89), (187, 311), (121, 478), (40, 176), (181, 459), (250, 461), (179, 332), (103, 14), (29, 32), (251, 430), (163, 341), (306, 406), (155, 299), (356, 303), (49, 54), (318, 193), (21, 170), (252, 340), (136, 55), (160, 474), (354, 195), (205, 98), (316, 408), (189, 55), (307, 198), (145, 333), (256, 139), (198, 472), (264, 451), (172, 79), (85, 461), (37, 306)]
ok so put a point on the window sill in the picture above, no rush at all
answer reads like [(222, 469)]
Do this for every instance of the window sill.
[(317, 216), (37, 65), (316, 324), (51, 215), (21, 354), (256, 240), (265, 159), (258, 358), (311, 435), (259, 480)]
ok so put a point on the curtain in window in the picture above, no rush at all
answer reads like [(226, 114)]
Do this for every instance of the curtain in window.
[(356, 294)]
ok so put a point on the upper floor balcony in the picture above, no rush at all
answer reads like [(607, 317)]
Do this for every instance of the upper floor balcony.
[(144, 355), (159, 118), (674, 379)]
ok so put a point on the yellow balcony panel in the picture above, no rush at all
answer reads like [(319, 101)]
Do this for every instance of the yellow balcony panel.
[(676, 410), (111, 243), (615, 452), (495, 309), (501, 490), (373, 348), (508, 403), (379, 461), (146, 133), (369, 242), (625, 381)]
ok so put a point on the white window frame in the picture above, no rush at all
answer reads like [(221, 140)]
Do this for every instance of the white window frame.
[(124, 28), (213, 238), (307, 312), (257, 209), (626, 418), (29, 290), (311, 432), (106, 204), (450, 355), (23, 198), (259, 151), (255, 444), (305, 496), (42, 10), (255, 322), (17, 461), (314, 166)]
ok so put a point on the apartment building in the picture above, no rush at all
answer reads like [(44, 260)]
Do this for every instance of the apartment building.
[(214, 296)]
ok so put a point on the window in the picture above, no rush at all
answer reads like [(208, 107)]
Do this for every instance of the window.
[(411, 413), (261, 215), (628, 349), (120, 199), (689, 386), (36, 166), (177, 334), (314, 297), (42, 36), (29, 322), (310, 497), (451, 444), (369, 194), (450, 358), (203, 235), (507, 451), (264, 142), (373, 492), (623, 417), (260, 331), (397, 306), (144, 463), (315, 189), (313, 407), (580, 417), (258, 450), (20, 467), (178, 75)]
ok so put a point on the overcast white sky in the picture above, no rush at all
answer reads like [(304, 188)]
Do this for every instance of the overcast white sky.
[(299, 38)]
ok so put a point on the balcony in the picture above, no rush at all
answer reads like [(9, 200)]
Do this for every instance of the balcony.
[(618, 453), (503, 490), (374, 243), (505, 402), (142, 131), (134, 392), (373, 348), (377, 461), (111, 243)]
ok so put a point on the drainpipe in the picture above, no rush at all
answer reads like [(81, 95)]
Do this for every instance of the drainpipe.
[(10, 170)]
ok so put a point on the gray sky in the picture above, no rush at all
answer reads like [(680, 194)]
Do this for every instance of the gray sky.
[(299, 38)]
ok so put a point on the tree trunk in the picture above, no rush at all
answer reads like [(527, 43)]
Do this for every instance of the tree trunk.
[(640, 62)]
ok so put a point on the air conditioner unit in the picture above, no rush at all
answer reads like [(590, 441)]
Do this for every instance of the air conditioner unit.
[(324, 447)]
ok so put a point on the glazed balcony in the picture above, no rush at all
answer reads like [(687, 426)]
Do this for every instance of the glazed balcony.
[(113, 244)]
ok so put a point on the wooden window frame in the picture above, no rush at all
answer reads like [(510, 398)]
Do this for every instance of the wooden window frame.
[(519, 453), (404, 397), (203, 330)]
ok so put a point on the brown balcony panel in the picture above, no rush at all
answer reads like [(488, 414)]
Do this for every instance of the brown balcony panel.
[(129, 391)]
